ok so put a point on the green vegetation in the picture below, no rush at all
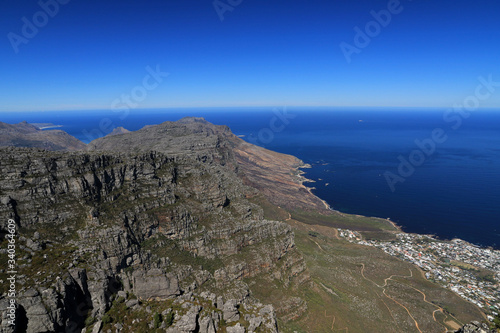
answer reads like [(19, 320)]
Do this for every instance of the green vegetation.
[(89, 321), (313, 234), (106, 319), (157, 318), (40, 268), (496, 321), (489, 277), (169, 319), (362, 289), (345, 287), (344, 221), (271, 212)]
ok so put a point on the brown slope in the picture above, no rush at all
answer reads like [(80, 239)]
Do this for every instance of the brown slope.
[(277, 176), (27, 135)]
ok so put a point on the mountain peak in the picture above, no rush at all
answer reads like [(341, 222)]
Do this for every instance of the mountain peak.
[(118, 130), (190, 120)]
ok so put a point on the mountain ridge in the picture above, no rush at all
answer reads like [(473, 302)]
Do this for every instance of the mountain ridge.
[(24, 134), (202, 228)]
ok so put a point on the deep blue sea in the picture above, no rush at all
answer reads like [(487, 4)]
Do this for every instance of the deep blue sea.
[(448, 182)]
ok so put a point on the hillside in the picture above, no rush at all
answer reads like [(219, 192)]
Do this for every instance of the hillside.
[(183, 227), (27, 135)]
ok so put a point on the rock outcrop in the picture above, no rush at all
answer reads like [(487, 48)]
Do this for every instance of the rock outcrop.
[(476, 327), (155, 284)]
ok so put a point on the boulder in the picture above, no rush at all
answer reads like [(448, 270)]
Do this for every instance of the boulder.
[(475, 327), (236, 329), (230, 311), (155, 284), (187, 323), (207, 325)]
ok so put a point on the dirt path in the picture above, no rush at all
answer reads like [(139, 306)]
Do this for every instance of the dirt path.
[(385, 280), (403, 276), (439, 309), (391, 298), (453, 323), (333, 323), (317, 244), (390, 312), (404, 307), (447, 322)]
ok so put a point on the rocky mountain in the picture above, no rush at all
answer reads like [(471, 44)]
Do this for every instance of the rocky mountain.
[(184, 227), (27, 135), (118, 130), (167, 227), (275, 175)]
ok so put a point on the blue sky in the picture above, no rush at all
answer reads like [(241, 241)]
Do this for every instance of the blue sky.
[(263, 53)]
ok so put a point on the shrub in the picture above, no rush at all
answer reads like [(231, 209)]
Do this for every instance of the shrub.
[(106, 319), (157, 319), (89, 321), (496, 321), (169, 319)]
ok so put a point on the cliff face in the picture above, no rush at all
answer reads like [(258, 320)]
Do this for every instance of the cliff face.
[(27, 135), (157, 221), (275, 175)]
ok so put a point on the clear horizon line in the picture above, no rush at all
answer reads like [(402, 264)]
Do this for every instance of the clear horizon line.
[(243, 107)]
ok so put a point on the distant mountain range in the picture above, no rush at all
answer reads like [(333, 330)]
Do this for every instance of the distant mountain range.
[(27, 135)]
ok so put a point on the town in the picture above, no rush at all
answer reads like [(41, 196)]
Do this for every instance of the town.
[(470, 271)]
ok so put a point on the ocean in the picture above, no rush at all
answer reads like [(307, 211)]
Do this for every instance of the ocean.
[(429, 170)]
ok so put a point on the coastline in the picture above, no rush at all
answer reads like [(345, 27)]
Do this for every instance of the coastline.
[(47, 127), (398, 228), (302, 180), (43, 126)]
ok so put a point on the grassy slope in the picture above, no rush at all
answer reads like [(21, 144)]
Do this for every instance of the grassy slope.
[(358, 287)]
